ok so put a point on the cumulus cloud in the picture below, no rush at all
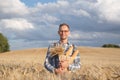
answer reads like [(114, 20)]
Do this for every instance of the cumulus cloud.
[(16, 24), (48, 18), (56, 7), (90, 21), (109, 10), (81, 12), (61, 6), (80, 35), (13, 7)]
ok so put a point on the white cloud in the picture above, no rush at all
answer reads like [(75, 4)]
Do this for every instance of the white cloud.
[(109, 10), (62, 7), (57, 7), (77, 35), (81, 12), (40, 23), (49, 18), (15, 7), (81, 35), (16, 24), (63, 3)]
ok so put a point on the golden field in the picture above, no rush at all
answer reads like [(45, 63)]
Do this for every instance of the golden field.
[(96, 64)]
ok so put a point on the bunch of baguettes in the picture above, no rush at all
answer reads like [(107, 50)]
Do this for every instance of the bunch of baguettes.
[(68, 55), (64, 56)]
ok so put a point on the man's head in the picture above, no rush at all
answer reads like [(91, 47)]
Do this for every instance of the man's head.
[(64, 31)]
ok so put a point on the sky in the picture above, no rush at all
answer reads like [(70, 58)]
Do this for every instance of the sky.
[(34, 23)]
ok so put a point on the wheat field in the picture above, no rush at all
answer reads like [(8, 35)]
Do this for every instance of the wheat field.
[(96, 64)]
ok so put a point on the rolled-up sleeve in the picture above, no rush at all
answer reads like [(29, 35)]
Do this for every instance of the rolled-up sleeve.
[(76, 63), (47, 64)]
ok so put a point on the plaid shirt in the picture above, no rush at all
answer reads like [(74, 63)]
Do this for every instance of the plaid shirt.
[(52, 62)]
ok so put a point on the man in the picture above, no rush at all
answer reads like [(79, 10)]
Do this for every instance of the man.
[(52, 63)]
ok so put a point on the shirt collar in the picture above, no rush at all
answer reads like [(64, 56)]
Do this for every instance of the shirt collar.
[(68, 43)]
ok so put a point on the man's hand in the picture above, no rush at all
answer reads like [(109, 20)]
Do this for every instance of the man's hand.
[(66, 60), (59, 70), (64, 64)]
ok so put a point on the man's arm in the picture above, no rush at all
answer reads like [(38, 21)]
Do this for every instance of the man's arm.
[(71, 62), (47, 64), (76, 63)]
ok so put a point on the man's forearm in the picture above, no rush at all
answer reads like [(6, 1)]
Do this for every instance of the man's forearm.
[(49, 67), (76, 64)]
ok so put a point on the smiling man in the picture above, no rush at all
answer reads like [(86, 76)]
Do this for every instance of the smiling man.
[(53, 63)]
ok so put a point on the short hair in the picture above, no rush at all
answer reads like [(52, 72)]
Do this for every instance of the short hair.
[(64, 24)]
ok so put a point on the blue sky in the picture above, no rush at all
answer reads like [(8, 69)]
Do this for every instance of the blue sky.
[(34, 23)]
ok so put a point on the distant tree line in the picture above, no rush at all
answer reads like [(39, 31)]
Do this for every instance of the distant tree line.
[(111, 46), (4, 45)]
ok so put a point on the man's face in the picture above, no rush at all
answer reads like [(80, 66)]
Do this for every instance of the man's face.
[(64, 32)]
